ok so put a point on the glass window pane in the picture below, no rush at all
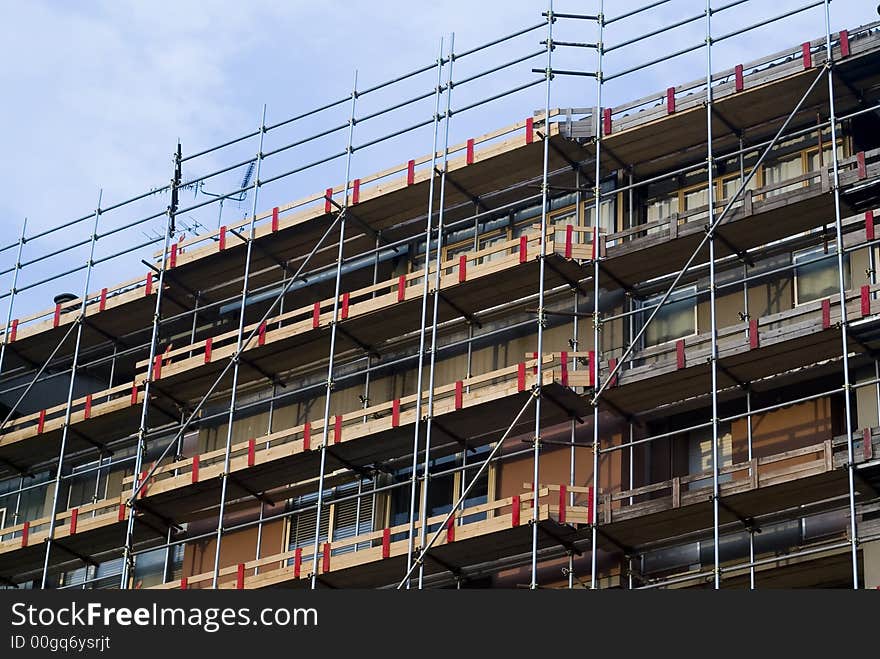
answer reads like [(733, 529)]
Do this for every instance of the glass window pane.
[(676, 318), (816, 274)]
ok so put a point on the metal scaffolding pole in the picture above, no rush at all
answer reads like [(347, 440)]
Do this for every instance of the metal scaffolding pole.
[(844, 321), (233, 396), (539, 372), (435, 293), (594, 365), (713, 324), (53, 513), (140, 451), (422, 327), (328, 389), (12, 292)]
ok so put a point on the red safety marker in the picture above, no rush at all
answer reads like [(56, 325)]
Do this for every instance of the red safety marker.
[(172, 260), (411, 172), (807, 55), (860, 160), (844, 43), (462, 268), (386, 542), (297, 562), (25, 531), (591, 357), (328, 196), (535, 367), (143, 479), (275, 219), (102, 302), (14, 330), (261, 334), (612, 364), (459, 394), (148, 286), (530, 130), (738, 77), (569, 240), (239, 580), (57, 318), (866, 300), (183, 583), (316, 315), (252, 452), (680, 360), (222, 242), (87, 411), (591, 513), (337, 429), (401, 288), (521, 376), (606, 121), (514, 510), (325, 563), (209, 343), (869, 225), (134, 394), (120, 514), (41, 422), (307, 436), (754, 339), (450, 529), (563, 504), (195, 469), (469, 158), (670, 100), (74, 515), (826, 313), (345, 300), (157, 367), (867, 449), (356, 191), (523, 249), (563, 369), (395, 413)]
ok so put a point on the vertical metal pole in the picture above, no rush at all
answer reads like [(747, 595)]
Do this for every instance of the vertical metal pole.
[(233, 397), (545, 201), (422, 328), (328, 390), (710, 168), (844, 321), (751, 530), (127, 557), (597, 196), (12, 293), (578, 202), (423, 529), (70, 389)]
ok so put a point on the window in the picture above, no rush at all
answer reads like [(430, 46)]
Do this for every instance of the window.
[(815, 161), (700, 454), (488, 241), (783, 169), (302, 526), (815, 274), (677, 318), (661, 208), (443, 491), (352, 517)]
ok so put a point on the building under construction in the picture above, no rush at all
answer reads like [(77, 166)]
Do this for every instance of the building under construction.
[(609, 346)]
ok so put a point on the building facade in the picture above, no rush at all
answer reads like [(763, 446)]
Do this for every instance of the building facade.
[(358, 389)]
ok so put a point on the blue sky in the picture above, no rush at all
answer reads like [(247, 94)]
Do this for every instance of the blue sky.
[(98, 93)]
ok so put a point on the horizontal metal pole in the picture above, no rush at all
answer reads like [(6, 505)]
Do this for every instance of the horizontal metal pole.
[(495, 69), (633, 12), (495, 97), (495, 42)]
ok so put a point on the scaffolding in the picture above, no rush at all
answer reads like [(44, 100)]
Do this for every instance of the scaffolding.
[(300, 303)]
